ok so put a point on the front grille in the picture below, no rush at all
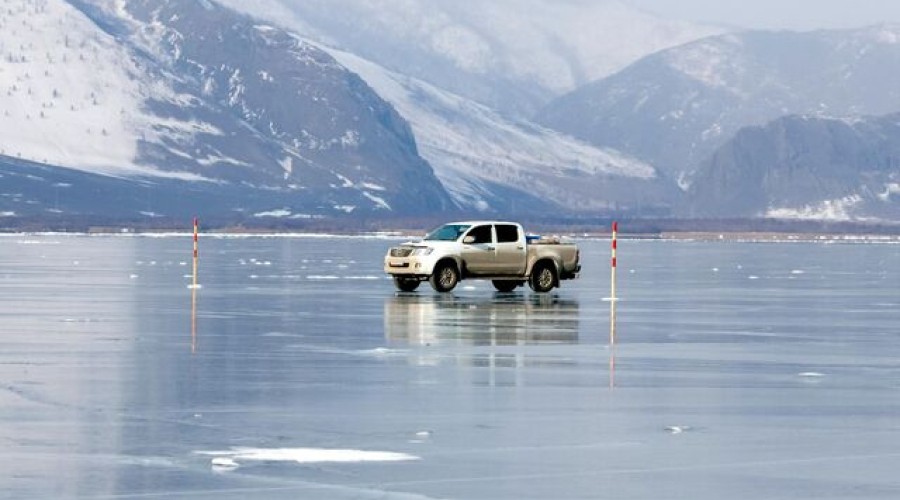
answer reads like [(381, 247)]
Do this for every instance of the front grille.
[(401, 252)]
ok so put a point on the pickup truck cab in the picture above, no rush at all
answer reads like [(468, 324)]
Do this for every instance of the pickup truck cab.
[(497, 251)]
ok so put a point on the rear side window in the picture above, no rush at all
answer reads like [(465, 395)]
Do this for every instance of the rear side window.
[(507, 233), (482, 234)]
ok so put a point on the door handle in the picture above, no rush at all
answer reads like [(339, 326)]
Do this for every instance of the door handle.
[(489, 247)]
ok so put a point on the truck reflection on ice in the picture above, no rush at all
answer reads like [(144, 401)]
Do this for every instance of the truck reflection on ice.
[(501, 320)]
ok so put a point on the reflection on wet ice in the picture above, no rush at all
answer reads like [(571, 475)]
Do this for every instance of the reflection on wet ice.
[(501, 319), (495, 332)]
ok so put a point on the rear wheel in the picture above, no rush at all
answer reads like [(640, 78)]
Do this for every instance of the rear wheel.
[(406, 284), (543, 277), (445, 277), (505, 285)]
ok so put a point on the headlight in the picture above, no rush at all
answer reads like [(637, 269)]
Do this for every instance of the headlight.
[(421, 252)]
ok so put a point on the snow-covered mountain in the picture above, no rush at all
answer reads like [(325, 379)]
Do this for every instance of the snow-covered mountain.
[(489, 162), (674, 108), (72, 94), (194, 91), (513, 55), (802, 167)]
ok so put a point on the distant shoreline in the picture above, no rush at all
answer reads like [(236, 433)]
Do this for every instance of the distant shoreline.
[(677, 236)]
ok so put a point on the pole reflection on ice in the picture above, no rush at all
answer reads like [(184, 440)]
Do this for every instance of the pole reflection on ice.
[(612, 367), (193, 320)]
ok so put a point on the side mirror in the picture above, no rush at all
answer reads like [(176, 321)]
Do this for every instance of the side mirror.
[(468, 240)]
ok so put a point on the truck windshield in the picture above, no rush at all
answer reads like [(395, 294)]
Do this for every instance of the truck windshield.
[(450, 232)]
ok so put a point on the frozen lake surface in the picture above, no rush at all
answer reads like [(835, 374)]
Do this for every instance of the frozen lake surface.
[(743, 371)]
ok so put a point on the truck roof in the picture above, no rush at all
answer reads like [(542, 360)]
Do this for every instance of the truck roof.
[(482, 222)]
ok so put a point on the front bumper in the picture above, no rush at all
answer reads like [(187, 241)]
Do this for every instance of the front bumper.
[(409, 266)]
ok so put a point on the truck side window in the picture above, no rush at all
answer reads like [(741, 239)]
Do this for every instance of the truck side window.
[(482, 234), (507, 233)]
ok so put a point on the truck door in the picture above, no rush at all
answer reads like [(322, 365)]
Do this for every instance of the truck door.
[(510, 250), (479, 253)]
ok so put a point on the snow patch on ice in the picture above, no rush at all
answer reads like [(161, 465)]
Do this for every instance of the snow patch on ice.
[(383, 351), (232, 458)]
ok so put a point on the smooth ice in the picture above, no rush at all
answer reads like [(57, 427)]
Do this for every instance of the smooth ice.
[(742, 371)]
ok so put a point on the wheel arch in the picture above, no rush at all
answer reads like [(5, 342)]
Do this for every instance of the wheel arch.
[(453, 259), (545, 259)]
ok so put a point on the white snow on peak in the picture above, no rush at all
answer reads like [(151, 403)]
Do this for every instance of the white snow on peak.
[(890, 190), (71, 95), (833, 210), (288, 165), (710, 62), (377, 200), (469, 144), (277, 213), (559, 44), (888, 35)]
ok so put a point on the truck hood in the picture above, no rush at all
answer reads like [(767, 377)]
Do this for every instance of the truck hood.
[(430, 244)]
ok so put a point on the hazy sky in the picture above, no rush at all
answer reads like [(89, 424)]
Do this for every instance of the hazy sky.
[(769, 14)]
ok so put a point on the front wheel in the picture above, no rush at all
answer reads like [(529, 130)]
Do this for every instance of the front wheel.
[(406, 284), (505, 286), (445, 277), (543, 277)]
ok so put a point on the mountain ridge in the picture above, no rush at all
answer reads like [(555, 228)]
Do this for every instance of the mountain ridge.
[(805, 167), (674, 108)]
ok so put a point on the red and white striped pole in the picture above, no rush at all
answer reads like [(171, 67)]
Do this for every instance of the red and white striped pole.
[(196, 254), (612, 294), (194, 287)]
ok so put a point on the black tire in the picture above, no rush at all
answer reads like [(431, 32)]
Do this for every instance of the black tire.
[(505, 286), (445, 277), (406, 284), (543, 277)]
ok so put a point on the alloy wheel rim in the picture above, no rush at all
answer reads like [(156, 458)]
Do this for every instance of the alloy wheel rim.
[(545, 279), (447, 277)]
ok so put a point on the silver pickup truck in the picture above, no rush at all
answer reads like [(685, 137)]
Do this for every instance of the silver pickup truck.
[(498, 251)]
